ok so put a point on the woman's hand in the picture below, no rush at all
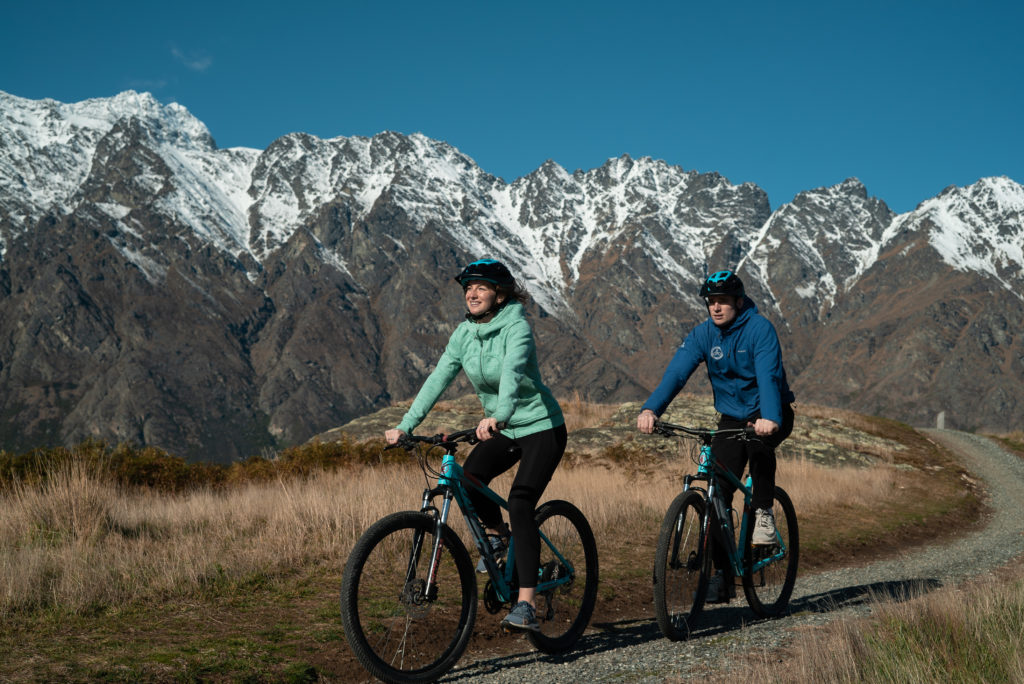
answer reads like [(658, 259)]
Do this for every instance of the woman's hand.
[(487, 428), (645, 421), (392, 436)]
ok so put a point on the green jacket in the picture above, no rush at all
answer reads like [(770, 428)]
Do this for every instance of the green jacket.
[(500, 359)]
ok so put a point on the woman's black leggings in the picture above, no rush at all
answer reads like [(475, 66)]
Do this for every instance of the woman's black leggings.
[(538, 455)]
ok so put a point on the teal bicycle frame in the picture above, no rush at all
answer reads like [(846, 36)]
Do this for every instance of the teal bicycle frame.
[(451, 484), (705, 464)]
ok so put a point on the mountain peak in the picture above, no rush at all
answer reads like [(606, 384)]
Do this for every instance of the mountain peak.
[(282, 291)]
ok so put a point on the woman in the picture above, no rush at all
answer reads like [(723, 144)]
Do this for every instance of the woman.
[(496, 349)]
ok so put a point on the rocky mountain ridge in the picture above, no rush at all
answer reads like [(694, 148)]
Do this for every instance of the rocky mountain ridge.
[(157, 289)]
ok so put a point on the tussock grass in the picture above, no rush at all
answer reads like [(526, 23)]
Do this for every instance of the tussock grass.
[(817, 490), (581, 413), (970, 633), (77, 541), (96, 540)]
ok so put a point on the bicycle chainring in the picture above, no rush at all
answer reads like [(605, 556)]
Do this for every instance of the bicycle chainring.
[(492, 603)]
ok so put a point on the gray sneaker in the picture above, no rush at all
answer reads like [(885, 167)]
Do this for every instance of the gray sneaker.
[(498, 548), (764, 527), (523, 616)]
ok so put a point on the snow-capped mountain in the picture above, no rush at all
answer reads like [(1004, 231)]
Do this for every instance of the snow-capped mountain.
[(158, 289)]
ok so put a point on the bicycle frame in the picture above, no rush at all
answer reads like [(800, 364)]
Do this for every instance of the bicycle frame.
[(709, 471), (451, 484)]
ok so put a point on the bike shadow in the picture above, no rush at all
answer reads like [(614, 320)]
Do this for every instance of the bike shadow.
[(715, 620)]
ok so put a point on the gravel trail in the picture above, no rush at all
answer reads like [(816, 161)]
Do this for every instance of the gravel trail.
[(634, 651)]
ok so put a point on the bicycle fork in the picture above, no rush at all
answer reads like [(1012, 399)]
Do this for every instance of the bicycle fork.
[(440, 520)]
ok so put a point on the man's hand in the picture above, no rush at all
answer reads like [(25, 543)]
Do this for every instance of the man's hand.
[(764, 427), (392, 436), (645, 421), (487, 428)]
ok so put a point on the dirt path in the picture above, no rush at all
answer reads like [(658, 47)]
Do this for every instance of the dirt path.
[(634, 651)]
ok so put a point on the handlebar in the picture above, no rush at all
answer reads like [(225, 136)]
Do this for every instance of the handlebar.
[(671, 430), (448, 441)]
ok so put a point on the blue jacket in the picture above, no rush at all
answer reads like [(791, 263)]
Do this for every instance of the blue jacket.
[(744, 365)]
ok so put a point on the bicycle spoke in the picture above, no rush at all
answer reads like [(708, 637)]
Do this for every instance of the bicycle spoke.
[(563, 610), (680, 568), (400, 629), (770, 571)]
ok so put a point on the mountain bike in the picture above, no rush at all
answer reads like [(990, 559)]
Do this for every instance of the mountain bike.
[(409, 591), (696, 520)]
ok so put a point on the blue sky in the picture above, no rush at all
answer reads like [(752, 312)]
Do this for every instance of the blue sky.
[(909, 97)]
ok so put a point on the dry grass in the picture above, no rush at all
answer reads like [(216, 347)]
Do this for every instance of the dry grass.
[(1014, 441), (969, 633), (817, 490), (582, 413), (76, 542)]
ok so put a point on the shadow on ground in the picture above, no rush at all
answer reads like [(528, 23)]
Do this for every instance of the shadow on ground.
[(610, 636)]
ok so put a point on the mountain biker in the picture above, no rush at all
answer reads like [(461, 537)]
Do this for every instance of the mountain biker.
[(495, 348), (744, 363)]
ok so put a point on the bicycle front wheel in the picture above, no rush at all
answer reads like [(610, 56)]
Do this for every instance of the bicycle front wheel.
[(564, 612), (400, 628), (769, 572), (681, 567)]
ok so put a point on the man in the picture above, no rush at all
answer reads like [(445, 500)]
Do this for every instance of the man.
[(744, 360)]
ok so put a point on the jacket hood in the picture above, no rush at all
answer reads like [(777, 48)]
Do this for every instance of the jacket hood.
[(748, 310), (508, 314)]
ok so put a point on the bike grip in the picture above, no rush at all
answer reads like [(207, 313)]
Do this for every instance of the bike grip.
[(749, 431)]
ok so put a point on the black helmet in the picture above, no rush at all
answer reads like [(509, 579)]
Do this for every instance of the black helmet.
[(722, 283), (486, 269)]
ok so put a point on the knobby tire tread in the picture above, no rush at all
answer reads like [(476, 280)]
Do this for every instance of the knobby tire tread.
[(447, 654), (675, 588)]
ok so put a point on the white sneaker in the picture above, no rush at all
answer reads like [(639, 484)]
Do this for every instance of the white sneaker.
[(764, 527)]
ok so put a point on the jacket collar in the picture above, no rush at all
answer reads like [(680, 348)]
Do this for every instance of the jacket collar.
[(510, 313), (748, 310)]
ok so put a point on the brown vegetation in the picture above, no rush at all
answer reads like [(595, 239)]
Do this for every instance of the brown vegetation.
[(93, 541)]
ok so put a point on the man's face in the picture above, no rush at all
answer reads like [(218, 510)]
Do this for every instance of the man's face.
[(723, 309)]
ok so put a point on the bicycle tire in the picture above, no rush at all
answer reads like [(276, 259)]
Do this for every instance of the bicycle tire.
[(564, 613), (681, 567), (397, 633), (768, 590)]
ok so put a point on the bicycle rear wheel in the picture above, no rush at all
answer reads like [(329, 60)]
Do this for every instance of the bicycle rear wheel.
[(564, 612), (768, 589), (397, 631), (681, 567)]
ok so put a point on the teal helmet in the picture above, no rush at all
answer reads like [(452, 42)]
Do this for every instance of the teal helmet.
[(488, 270), (722, 283)]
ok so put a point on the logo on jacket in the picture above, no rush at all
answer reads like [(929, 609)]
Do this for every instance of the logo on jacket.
[(716, 353)]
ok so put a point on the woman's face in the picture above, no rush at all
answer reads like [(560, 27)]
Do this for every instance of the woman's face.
[(480, 296)]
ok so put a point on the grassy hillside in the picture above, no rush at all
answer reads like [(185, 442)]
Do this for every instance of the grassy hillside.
[(232, 572)]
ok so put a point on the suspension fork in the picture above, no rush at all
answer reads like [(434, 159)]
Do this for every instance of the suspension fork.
[(674, 559), (435, 555)]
